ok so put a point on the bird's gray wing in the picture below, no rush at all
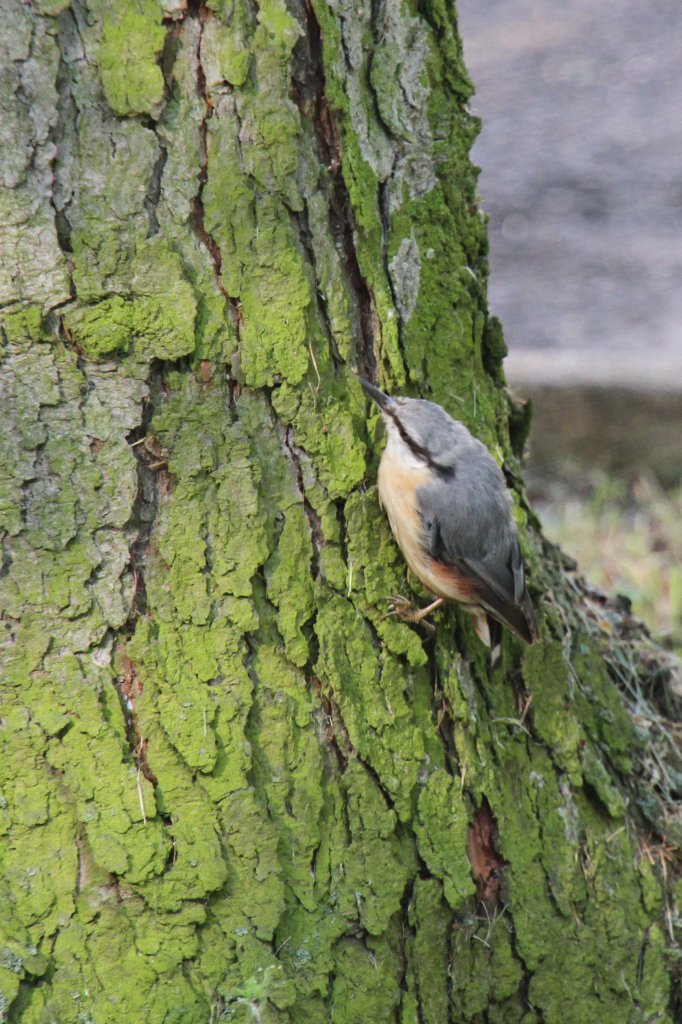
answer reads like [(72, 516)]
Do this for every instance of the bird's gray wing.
[(468, 522), (468, 525), (505, 576)]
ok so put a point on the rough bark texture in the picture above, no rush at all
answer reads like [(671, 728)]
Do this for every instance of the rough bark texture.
[(233, 788)]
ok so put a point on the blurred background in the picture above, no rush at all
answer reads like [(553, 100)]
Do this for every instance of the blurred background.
[(581, 176)]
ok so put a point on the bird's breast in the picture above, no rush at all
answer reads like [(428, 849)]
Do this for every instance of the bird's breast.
[(398, 486)]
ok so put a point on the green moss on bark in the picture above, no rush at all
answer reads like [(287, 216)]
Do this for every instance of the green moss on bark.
[(132, 39)]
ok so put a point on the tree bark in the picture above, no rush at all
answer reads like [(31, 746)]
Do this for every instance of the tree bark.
[(234, 788)]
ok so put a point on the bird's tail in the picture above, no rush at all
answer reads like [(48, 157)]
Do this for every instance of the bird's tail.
[(489, 632), (520, 618), (495, 633)]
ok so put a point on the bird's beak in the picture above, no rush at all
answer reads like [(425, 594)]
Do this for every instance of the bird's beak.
[(385, 402)]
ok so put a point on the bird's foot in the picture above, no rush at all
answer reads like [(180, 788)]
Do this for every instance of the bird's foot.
[(402, 608), (406, 611)]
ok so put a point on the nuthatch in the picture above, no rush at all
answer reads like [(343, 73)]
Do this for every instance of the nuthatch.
[(450, 512)]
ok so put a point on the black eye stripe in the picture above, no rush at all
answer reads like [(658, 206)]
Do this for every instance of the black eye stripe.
[(447, 472), (420, 452)]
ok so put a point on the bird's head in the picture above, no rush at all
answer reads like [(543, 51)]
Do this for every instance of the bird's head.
[(421, 430)]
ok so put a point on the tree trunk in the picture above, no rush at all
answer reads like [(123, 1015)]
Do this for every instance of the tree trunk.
[(234, 788)]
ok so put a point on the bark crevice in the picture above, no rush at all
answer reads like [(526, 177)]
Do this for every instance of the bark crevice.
[(199, 9), (309, 95)]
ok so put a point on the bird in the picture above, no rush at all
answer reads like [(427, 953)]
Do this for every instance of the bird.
[(450, 512)]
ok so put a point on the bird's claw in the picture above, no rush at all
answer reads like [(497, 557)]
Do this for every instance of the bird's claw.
[(401, 607), (404, 610)]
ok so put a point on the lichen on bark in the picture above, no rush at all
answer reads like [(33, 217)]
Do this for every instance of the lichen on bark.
[(233, 787)]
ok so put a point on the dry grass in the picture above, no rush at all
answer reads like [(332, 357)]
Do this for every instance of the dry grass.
[(626, 540)]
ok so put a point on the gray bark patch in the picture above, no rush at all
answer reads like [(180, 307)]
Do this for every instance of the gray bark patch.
[(405, 269)]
